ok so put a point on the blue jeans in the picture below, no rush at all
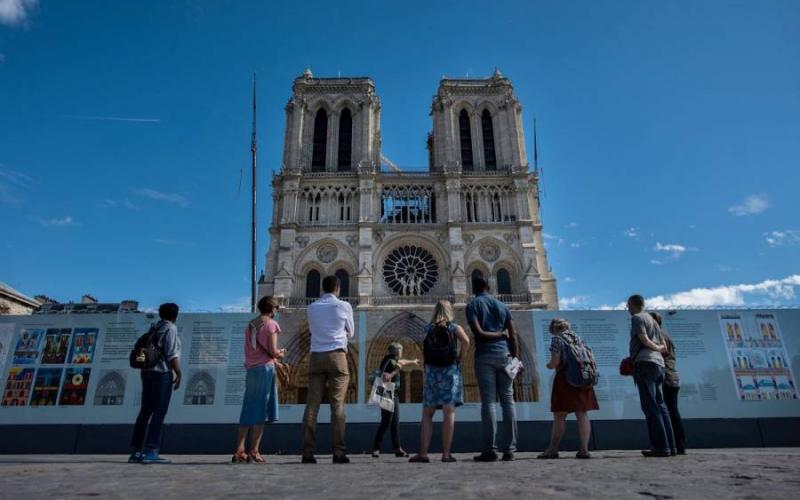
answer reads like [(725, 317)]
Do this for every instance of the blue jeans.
[(493, 381), (156, 393), (649, 378)]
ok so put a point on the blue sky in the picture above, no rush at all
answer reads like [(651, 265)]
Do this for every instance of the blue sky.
[(668, 133)]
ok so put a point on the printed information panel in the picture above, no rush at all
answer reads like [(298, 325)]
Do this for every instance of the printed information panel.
[(74, 368)]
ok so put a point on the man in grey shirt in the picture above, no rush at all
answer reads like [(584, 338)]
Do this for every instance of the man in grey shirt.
[(646, 346), (158, 383)]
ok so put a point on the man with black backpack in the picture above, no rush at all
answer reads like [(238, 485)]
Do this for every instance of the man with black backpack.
[(157, 355), (495, 345)]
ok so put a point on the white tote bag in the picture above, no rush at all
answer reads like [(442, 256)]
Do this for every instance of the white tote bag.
[(382, 394)]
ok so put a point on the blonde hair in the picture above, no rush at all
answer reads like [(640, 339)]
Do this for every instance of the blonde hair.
[(443, 313)]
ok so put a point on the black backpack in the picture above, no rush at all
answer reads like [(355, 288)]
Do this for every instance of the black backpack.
[(440, 347), (145, 353)]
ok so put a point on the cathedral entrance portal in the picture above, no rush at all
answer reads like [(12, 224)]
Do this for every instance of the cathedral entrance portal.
[(409, 330)]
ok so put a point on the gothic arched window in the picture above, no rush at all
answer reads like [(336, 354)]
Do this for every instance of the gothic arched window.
[(312, 284), (345, 141), (344, 282), (488, 140), (318, 152), (345, 209), (466, 140), (497, 210), (476, 274), (503, 282)]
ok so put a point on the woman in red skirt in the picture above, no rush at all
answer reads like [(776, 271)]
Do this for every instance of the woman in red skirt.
[(566, 398)]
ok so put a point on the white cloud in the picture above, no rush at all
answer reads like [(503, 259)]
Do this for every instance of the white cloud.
[(551, 237), (241, 305), (569, 279), (788, 237), (752, 205), (55, 222), (16, 12), (112, 118), (669, 247), (11, 183), (729, 295), (171, 242), (160, 196), (631, 232), (126, 203), (578, 301), (575, 245), (673, 251), (572, 225)]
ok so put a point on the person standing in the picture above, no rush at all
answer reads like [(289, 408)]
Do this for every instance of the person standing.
[(565, 398), (260, 403), (390, 366), (330, 321), (443, 388), (646, 346), (495, 344), (672, 385), (158, 383)]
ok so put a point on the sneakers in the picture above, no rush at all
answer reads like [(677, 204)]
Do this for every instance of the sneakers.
[(308, 460), (135, 458), (486, 456), (152, 457), (508, 456)]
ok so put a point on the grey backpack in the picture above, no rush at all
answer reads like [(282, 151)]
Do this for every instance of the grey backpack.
[(581, 370)]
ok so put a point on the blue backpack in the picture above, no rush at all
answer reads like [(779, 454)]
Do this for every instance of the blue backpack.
[(581, 369)]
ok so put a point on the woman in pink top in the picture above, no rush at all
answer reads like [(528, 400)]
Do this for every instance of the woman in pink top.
[(260, 402)]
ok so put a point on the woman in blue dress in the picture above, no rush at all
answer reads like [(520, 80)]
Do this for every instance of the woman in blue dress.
[(445, 344)]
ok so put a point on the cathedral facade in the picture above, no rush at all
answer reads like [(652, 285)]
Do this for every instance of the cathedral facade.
[(406, 237)]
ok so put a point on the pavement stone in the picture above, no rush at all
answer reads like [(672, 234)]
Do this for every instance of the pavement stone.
[(753, 473)]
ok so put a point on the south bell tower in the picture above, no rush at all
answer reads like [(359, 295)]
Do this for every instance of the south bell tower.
[(398, 236), (479, 144)]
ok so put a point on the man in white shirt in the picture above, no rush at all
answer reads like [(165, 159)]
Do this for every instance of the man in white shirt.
[(331, 323)]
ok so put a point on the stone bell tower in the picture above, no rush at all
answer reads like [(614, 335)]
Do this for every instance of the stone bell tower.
[(396, 236)]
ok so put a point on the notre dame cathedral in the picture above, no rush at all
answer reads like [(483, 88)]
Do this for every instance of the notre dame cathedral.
[(396, 236), (400, 239)]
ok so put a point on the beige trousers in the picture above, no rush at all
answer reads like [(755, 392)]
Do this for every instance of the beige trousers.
[(327, 371)]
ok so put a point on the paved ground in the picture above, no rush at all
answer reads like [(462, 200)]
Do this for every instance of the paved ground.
[(747, 474)]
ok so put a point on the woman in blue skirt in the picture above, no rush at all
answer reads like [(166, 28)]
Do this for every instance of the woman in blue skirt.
[(445, 344), (261, 385)]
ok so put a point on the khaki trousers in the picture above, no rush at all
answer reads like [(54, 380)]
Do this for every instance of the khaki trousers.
[(326, 371)]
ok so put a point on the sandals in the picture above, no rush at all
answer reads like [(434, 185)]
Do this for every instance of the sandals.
[(547, 455), (416, 459), (449, 460), (239, 457), (583, 454), (255, 457)]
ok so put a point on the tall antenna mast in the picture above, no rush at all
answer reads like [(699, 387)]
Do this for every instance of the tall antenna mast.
[(253, 150)]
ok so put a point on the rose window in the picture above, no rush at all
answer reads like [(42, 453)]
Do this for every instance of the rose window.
[(410, 270)]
